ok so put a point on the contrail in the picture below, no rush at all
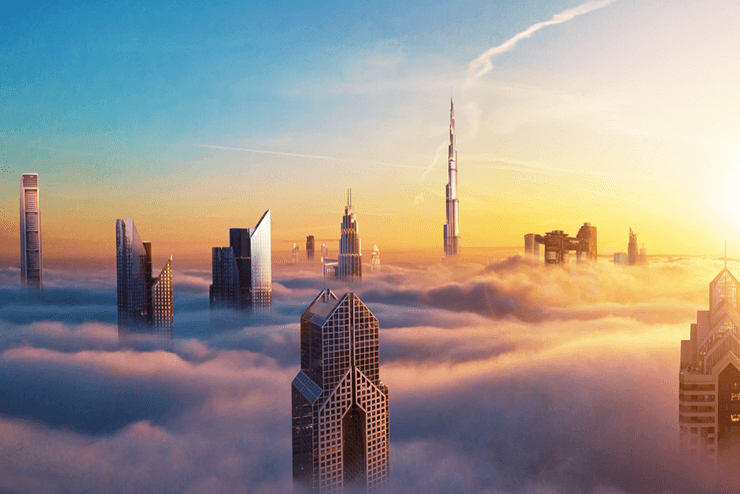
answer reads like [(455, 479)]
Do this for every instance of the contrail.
[(483, 64), (309, 156)]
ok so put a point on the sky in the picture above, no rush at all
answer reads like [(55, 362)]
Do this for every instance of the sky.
[(194, 120), (504, 377)]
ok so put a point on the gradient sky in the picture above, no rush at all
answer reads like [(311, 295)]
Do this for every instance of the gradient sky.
[(194, 119)]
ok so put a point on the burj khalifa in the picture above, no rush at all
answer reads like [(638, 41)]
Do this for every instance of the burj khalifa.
[(452, 227)]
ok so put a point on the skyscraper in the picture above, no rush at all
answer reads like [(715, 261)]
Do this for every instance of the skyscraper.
[(144, 303), (350, 246), (452, 227), (709, 379), (309, 248), (632, 249), (242, 272), (295, 252), (340, 407), (375, 258), (31, 259)]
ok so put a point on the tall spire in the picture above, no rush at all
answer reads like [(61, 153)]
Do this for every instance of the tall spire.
[(452, 228)]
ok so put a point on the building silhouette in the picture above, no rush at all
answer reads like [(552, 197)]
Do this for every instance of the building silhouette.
[(340, 407), (375, 258), (225, 290), (632, 249), (145, 304), (324, 251), (242, 272), (620, 258), (452, 227), (558, 245), (349, 267), (531, 247), (295, 252), (709, 379), (32, 275), (310, 248)]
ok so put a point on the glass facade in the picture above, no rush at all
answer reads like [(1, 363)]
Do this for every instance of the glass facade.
[(340, 407), (144, 303), (709, 380), (31, 259), (242, 272), (350, 247)]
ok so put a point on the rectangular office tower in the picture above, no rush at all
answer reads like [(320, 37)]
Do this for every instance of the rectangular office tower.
[(145, 303), (31, 260), (709, 380), (310, 248), (242, 272), (340, 407)]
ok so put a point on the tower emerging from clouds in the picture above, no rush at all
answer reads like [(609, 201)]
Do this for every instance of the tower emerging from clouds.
[(242, 272), (350, 246), (452, 227), (340, 406), (709, 379), (145, 304), (31, 260)]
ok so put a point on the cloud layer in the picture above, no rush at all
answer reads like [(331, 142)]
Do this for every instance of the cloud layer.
[(506, 377)]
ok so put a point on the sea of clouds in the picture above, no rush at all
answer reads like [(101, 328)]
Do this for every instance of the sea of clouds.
[(504, 378)]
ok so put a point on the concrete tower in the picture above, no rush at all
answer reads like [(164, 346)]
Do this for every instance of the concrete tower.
[(31, 260)]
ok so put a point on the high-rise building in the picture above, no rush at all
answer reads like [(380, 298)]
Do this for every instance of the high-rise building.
[(295, 252), (452, 227), (225, 291), (350, 246), (709, 379), (620, 258), (375, 258), (245, 267), (144, 303), (531, 247), (632, 249), (309, 248), (324, 251), (559, 244), (31, 259), (340, 421)]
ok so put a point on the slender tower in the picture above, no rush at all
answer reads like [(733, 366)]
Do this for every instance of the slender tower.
[(452, 227), (31, 264)]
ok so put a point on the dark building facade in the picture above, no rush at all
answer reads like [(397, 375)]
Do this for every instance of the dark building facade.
[(709, 380), (558, 245), (145, 303), (310, 248), (242, 272), (340, 422)]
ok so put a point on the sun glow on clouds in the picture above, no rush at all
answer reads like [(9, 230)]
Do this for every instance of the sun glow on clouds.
[(513, 389)]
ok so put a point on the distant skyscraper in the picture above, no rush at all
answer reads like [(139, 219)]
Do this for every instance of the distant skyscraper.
[(225, 290), (295, 252), (144, 303), (559, 244), (375, 258), (350, 246), (452, 227), (620, 258), (309, 248), (340, 407), (632, 249), (324, 251), (709, 379), (31, 260), (531, 247), (245, 267)]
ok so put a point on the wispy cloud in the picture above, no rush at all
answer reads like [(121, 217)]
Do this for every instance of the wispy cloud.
[(482, 64), (308, 156)]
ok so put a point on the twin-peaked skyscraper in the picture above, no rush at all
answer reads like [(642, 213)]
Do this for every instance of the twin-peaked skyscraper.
[(452, 227), (340, 406)]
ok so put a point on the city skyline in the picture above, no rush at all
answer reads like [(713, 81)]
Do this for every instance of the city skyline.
[(536, 129), (508, 375)]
